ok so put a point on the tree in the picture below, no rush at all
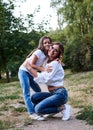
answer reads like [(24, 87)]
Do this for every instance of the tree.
[(16, 39), (78, 16), (8, 23), (75, 13)]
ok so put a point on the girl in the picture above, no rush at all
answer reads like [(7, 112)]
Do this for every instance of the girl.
[(35, 60)]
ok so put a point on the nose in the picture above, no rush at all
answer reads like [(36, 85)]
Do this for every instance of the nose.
[(52, 50), (48, 43)]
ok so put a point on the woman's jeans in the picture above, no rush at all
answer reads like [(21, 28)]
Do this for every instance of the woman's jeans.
[(49, 102), (27, 81)]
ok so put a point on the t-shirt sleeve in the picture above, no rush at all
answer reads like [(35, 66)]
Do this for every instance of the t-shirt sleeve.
[(38, 53)]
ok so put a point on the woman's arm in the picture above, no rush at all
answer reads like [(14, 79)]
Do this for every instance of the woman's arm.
[(45, 77)]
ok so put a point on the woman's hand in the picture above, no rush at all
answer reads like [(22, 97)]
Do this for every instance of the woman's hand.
[(48, 69)]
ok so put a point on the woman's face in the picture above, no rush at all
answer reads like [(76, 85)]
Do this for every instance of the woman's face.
[(53, 51), (46, 44)]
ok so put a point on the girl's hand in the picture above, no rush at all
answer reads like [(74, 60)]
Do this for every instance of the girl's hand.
[(59, 60)]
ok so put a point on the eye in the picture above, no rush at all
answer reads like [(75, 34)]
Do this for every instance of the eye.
[(47, 42), (55, 50)]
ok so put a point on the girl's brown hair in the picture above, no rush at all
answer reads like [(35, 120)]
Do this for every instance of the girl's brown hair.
[(41, 43), (40, 46)]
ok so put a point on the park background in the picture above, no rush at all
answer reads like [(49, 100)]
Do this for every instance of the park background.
[(20, 35)]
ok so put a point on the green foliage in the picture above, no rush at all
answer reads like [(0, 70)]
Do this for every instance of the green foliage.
[(15, 43), (8, 23), (86, 114), (79, 54), (58, 35), (78, 17)]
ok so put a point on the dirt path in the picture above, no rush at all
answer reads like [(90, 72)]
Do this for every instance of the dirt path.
[(56, 123)]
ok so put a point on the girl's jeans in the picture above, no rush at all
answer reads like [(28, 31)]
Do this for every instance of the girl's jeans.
[(49, 102), (27, 81)]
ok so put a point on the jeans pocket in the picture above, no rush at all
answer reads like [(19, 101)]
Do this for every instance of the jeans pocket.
[(60, 90), (63, 93)]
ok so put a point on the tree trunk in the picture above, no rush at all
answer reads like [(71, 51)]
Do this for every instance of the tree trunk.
[(7, 76), (0, 75)]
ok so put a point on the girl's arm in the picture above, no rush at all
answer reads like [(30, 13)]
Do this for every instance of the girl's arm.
[(33, 64), (33, 71)]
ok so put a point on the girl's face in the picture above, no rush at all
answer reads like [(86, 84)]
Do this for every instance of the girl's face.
[(46, 44), (53, 51)]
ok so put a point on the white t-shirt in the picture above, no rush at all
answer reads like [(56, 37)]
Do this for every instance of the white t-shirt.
[(41, 58), (53, 78)]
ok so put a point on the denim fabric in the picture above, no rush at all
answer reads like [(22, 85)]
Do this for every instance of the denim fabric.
[(26, 81), (46, 102)]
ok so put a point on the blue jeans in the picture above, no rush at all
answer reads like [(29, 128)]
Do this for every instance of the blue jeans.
[(27, 81), (49, 102)]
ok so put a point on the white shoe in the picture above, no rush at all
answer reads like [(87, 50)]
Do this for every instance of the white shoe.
[(37, 117), (34, 116), (66, 113), (49, 115), (41, 118)]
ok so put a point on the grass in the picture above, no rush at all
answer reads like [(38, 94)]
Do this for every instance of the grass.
[(80, 88), (86, 114), (4, 125), (13, 113)]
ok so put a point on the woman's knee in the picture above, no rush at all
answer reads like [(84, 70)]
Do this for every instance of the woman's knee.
[(33, 97)]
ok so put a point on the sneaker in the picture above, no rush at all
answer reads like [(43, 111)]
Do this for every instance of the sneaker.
[(41, 118), (66, 113), (37, 117), (34, 116), (49, 115)]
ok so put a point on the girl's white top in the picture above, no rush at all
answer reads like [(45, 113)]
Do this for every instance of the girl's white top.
[(41, 58), (53, 78)]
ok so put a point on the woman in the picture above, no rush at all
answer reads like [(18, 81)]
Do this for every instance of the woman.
[(54, 100)]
